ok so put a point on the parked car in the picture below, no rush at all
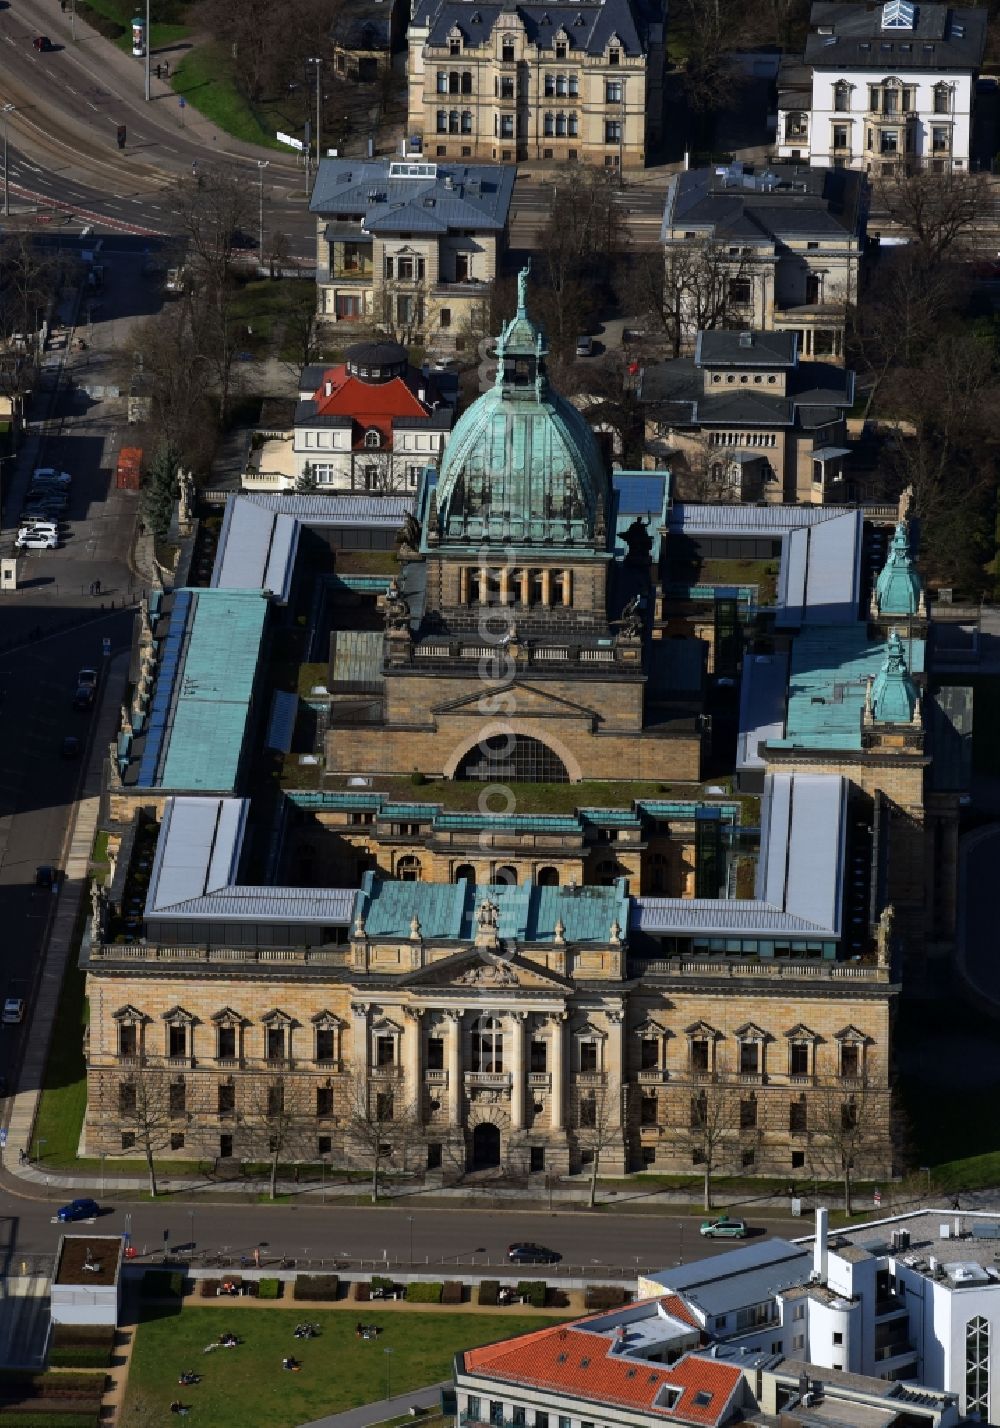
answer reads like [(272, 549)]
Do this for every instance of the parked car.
[(42, 43), (13, 1011), (36, 540), (527, 1253), (46, 876), (584, 346), (49, 473), (87, 677), (78, 1210), (724, 1229), (70, 747), (83, 697)]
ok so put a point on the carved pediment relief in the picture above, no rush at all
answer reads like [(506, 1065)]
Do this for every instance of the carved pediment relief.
[(481, 968)]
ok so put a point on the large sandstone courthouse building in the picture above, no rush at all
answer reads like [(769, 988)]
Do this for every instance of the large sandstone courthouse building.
[(539, 984)]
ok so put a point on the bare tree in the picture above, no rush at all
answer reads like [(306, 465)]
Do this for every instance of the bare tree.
[(714, 1130), (277, 1121), (378, 1122), (712, 30), (600, 1127), (849, 1126), (380, 470), (145, 1112), (693, 287), (938, 209), (29, 280)]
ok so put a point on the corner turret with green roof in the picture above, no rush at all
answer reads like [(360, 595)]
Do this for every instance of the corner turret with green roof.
[(899, 590), (894, 697)]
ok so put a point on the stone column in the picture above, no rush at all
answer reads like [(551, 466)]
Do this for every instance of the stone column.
[(454, 1067), (614, 1070), (567, 588), (546, 587), (558, 1044), (505, 585), (518, 1069), (359, 1038), (414, 1060), (463, 585), (484, 585)]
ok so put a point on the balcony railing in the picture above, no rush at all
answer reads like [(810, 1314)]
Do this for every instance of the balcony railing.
[(591, 1078), (386, 1073), (130, 1058), (653, 1075), (540, 1080), (436, 1078), (495, 1080), (228, 1062)]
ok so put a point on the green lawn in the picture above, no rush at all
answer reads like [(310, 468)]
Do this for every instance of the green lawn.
[(204, 78), (247, 1384), (64, 1087)]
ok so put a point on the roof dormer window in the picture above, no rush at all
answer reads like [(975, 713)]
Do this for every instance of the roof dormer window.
[(373, 439)]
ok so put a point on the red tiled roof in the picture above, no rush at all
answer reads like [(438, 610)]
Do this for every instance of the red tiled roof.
[(369, 403), (677, 1309), (571, 1360)]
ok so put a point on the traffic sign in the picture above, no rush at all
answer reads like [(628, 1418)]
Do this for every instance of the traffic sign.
[(288, 139), (3, 1139), (181, 101), (877, 1198), (106, 647)]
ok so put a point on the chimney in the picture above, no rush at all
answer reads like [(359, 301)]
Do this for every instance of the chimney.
[(328, 391), (422, 395), (820, 1243)]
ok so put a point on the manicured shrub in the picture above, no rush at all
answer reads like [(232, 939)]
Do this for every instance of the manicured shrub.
[(162, 1284), (81, 1358), (557, 1299), (379, 1281), (533, 1292), (452, 1291), (94, 1336), (269, 1288), (316, 1286), (489, 1292), (423, 1293), (86, 1418), (605, 1296)]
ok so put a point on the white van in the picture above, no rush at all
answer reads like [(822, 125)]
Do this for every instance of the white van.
[(38, 527)]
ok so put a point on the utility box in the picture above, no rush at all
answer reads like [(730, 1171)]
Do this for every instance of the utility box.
[(129, 474), (8, 572)]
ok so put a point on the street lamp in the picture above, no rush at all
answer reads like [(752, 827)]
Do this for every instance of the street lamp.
[(191, 1220), (148, 96), (410, 1221), (317, 61), (262, 164), (323, 1163), (388, 1371), (5, 111)]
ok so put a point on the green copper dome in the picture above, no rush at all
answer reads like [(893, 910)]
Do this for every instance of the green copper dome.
[(897, 590), (522, 465), (894, 695)]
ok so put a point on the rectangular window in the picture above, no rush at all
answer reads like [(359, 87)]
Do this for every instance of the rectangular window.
[(275, 1099), (446, 317), (506, 126), (588, 1055), (384, 1106), (126, 1098), (873, 99), (942, 100), (588, 1109), (176, 1140), (324, 1145), (612, 131), (699, 1054), (798, 1117), (226, 1043), (385, 1051), (849, 1059), (647, 1111), (799, 1058), (178, 1098), (435, 1053), (435, 1155), (939, 140), (889, 141), (128, 1140), (840, 140), (748, 1113), (740, 291), (536, 1163), (539, 1055), (473, 1407), (649, 1053), (749, 1058), (507, 88), (519, 1416), (127, 1039), (613, 91), (227, 1100), (275, 1043), (324, 1043), (324, 1100), (225, 1147), (177, 1041)]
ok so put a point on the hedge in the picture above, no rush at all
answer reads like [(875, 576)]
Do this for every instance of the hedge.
[(362, 1291), (605, 1296), (557, 1299), (423, 1293), (83, 1419), (533, 1292), (312, 1286), (269, 1288), (210, 1288), (92, 1336), (162, 1284), (379, 1281), (452, 1291), (489, 1292), (81, 1358)]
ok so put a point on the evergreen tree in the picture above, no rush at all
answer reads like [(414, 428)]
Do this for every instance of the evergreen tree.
[(159, 490)]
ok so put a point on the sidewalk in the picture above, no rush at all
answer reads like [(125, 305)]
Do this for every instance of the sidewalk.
[(426, 1399)]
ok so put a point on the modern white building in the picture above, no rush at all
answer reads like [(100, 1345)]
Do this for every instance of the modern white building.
[(913, 1299), (882, 85)]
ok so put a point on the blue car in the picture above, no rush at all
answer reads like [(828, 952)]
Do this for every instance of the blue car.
[(79, 1210)]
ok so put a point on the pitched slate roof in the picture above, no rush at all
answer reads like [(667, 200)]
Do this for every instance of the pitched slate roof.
[(764, 206), (588, 24), (527, 913), (942, 37), (584, 1364), (398, 196)]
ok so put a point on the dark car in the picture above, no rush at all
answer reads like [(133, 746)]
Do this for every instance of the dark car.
[(527, 1253), (47, 877), (79, 1210), (84, 697), (42, 43), (70, 747)]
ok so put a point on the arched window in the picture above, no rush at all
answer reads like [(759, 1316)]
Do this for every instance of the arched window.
[(572, 126), (487, 1044), (466, 871), (550, 125), (466, 121), (977, 1367), (408, 869), (520, 759), (841, 96), (442, 122), (506, 876), (548, 877), (561, 87), (561, 126), (373, 438), (466, 81), (453, 122)]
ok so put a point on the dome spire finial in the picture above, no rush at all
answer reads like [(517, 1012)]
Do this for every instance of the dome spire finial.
[(522, 289)]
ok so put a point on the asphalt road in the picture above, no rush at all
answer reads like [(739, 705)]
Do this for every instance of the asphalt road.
[(440, 1237)]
